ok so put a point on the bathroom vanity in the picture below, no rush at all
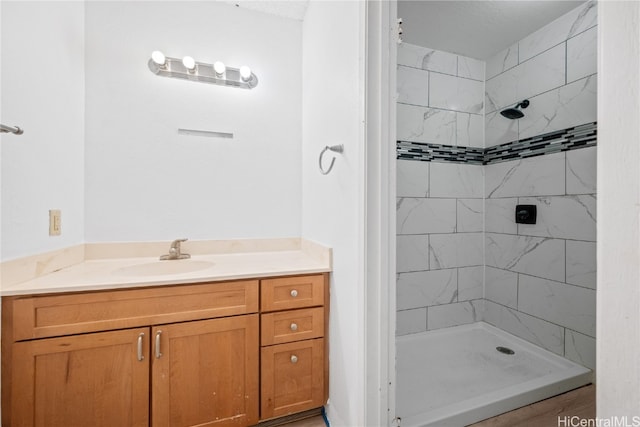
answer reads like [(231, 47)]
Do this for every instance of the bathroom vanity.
[(231, 352)]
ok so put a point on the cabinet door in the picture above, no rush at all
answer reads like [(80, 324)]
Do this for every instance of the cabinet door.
[(97, 379), (292, 377), (205, 373)]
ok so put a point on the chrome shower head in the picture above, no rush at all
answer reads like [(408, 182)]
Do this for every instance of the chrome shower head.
[(515, 113)]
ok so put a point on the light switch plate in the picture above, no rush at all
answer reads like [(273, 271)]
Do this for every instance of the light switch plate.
[(55, 222)]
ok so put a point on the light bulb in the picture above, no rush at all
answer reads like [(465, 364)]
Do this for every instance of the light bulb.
[(159, 58), (245, 73), (189, 63), (219, 68)]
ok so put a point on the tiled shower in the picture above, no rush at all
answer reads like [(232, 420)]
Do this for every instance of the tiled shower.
[(463, 168)]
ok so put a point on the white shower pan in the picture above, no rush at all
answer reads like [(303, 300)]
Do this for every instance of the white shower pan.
[(455, 376)]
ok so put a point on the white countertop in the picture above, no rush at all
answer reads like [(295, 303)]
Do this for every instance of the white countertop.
[(117, 273)]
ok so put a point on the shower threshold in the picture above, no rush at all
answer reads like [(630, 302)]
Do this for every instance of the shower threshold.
[(456, 376)]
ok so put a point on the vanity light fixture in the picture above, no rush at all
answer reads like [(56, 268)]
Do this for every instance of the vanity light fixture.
[(159, 59), (189, 63), (219, 68), (189, 69), (245, 73)]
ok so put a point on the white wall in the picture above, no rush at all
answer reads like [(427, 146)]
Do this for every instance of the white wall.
[(43, 93), (146, 182), (618, 331), (333, 205)]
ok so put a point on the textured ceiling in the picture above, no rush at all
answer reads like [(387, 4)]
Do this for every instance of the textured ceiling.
[(294, 9), (477, 29)]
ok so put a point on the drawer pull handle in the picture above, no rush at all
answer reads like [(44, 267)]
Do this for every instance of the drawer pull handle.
[(294, 327), (294, 293), (140, 355), (158, 352), (294, 358)]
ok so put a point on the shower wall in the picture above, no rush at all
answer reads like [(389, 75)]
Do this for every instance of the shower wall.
[(439, 206), (535, 281), (540, 279)]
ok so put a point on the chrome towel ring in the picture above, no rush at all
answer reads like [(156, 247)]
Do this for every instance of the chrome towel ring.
[(11, 129), (335, 149)]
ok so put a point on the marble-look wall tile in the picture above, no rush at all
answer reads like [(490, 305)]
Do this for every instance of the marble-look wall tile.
[(445, 316), (580, 348), (566, 305), (412, 253), (568, 106), (471, 68), (537, 331), (426, 288), (470, 215), (500, 216), (581, 263), (455, 250), (412, 178), (470, 130), (499, 130), (456, 180), (501, 286), (540, 74), (411, 321), (428, 59), (421, 124), (470, 283), (581, 55), (536, 176), (423, 216), (566, 217), (502, 61), (563, 28), (542, 257), (413, 86), (454, 93), (581, 171)]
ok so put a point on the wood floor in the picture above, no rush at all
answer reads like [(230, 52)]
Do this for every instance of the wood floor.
[(580, 402)]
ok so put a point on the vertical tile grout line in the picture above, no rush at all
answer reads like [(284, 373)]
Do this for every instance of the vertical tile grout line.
[(429, 89), (566, 61)]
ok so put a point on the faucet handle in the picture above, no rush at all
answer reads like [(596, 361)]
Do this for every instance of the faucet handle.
[(174, 251), (176, 243)]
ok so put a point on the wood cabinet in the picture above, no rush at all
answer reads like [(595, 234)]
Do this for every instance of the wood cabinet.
[(293, 353), (205, 373), (184, 355), (94, 379)]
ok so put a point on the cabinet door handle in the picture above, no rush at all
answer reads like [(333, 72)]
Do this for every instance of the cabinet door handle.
[(140, 355), (158, 352), (294, 358), (294, 293), (294, 327)]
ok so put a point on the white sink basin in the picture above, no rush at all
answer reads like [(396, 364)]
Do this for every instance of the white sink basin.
[(160, 268)]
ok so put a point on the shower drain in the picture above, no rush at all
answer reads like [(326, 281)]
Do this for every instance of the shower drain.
[(505, 350)]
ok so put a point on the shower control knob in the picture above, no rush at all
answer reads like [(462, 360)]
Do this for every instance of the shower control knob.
[(294, 293), (294, 358), (294, 327)]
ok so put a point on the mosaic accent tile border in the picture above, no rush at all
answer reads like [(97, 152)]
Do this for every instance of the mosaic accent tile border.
[(439, 153), (553, 142)]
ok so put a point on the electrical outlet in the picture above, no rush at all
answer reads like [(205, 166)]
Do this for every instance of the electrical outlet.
[(55, 222)]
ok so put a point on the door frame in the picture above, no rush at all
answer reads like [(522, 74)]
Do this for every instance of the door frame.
[(380, 192)]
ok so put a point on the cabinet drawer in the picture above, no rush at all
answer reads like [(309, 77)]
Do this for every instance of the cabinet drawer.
[(286, 293), (55, 315), (292, 378), (292, 325)]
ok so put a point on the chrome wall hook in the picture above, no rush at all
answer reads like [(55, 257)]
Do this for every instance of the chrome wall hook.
[(336, 149)]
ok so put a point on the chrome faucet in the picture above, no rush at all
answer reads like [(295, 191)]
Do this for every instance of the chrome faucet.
[(174, 251)]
